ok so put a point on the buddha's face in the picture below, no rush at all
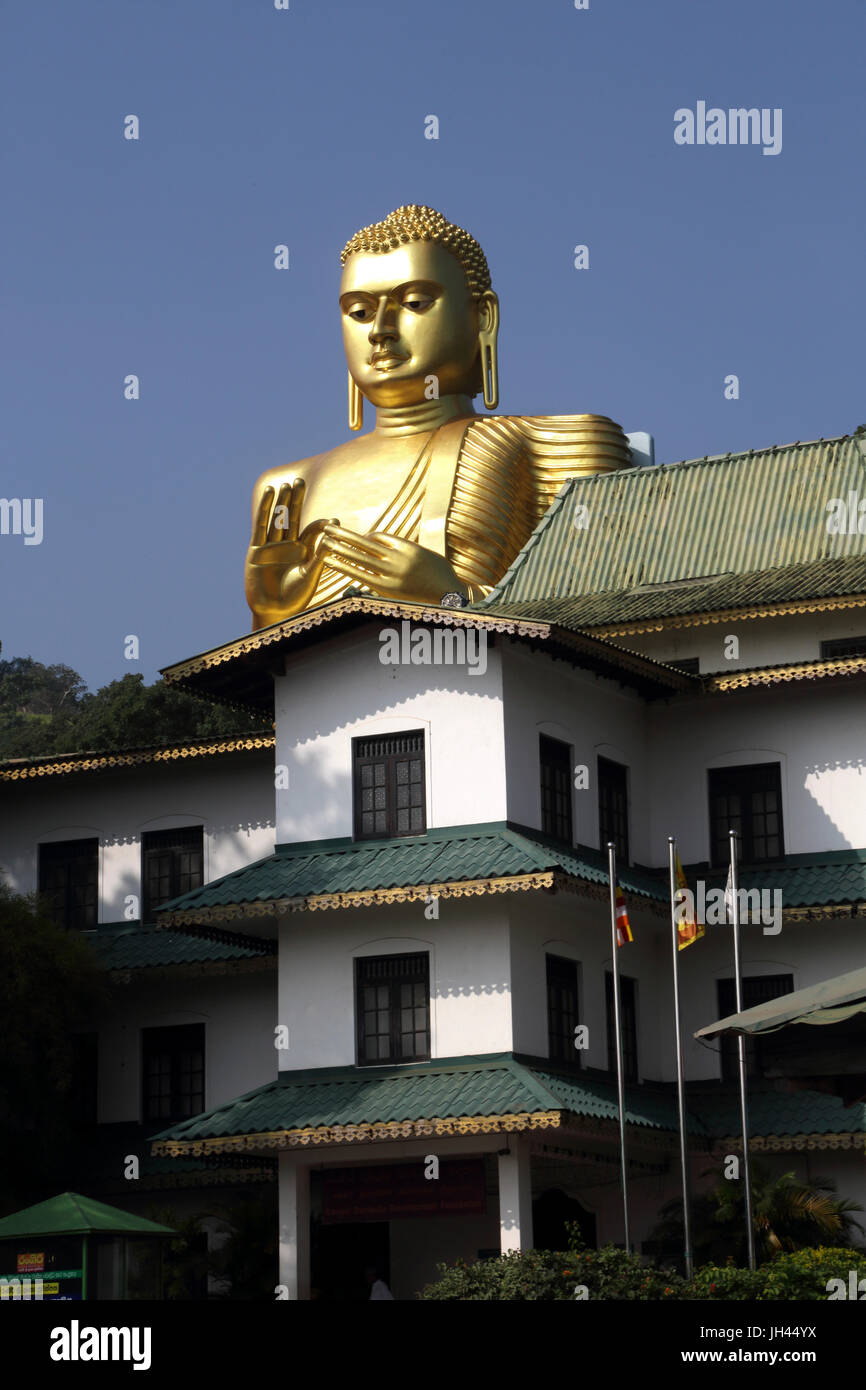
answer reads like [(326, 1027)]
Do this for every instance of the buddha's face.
[(408, 315)]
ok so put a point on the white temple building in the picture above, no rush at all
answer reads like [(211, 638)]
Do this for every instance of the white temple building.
[(350, 959)]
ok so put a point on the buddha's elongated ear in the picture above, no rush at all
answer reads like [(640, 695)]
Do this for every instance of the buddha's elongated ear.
[(488, 334)]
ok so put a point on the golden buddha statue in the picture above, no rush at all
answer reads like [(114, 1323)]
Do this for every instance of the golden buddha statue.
[(435, 499)]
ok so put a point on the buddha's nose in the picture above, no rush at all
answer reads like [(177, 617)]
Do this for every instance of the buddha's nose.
[(384, 324)]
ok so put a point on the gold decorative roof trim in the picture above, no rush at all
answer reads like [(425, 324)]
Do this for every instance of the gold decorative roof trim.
[(727, 615), (97, 762), (319, 1135), (378, 897), (774, 675), (583, 642), (778, 1143), (317, 617)]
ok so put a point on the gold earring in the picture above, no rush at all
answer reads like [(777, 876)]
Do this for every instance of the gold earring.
[(356, 405), (489, 370)]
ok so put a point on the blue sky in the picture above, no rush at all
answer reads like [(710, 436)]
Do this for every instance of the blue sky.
[(260, 127)]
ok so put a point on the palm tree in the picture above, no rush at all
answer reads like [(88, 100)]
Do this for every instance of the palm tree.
[(787, 1215)]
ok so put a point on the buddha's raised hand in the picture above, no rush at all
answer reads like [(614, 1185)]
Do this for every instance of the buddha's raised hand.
[(389, 565), (283, 563)]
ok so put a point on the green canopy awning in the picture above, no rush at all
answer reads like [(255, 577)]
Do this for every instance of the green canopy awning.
[(70, 1214), (832, 1001)]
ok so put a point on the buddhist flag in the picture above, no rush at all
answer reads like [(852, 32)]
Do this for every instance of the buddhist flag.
[(688, 930), (623, 930)]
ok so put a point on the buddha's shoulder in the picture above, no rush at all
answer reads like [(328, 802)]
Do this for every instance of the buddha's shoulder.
[(307, 469)]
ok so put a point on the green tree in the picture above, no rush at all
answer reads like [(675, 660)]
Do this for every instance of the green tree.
[(48, 709), (51, 987), (787, 1215)]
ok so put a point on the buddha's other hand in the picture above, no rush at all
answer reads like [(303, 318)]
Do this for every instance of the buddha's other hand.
[(283, 563), (390, 565)]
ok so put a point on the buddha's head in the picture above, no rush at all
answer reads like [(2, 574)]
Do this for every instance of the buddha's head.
[(416, 304)]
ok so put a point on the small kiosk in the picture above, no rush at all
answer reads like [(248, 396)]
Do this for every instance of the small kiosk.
[(72, 1247)]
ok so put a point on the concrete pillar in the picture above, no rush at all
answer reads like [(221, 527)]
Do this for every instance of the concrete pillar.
[(294, 1185), (515, 1196)]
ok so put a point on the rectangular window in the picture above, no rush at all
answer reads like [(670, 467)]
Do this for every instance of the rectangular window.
[(613, 807), (628, 1029), (173, 1071), (839, 647), (562, 1007), (555, 759), (757, 989), (748, 800), (393, 1009), (68, 876), (390, 792), (172, 862)]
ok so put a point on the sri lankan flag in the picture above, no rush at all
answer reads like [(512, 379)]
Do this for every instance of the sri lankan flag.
[(688, 930), (623, 930)]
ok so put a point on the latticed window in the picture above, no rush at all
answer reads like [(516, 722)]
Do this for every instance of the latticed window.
[(393, 1009), (68, 876), (555, 759), (562, 1007), (613, 807), (173, 1071), (628, 1025), (389, 785), (172, 862), (838, 647), (748, 800), (757, 989)]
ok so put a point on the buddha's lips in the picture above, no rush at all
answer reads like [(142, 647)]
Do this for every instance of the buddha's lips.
[(385, 360)]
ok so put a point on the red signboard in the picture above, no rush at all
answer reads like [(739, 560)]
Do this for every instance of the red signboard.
[(377, 1194)]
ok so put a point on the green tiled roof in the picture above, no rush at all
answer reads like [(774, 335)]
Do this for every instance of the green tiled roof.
[(441, 856), (502, 1084), (777, 1112), (131, 946), (299, 873), (455, 1088), (822, 579), (804, 880), (712, 518)]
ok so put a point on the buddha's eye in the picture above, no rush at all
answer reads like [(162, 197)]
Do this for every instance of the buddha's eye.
[(417, 302), (361, 313)]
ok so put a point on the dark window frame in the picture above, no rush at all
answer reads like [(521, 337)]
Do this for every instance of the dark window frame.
[(63, 901), (390, 974), (176, 842), (611, 786), (628, 1012), (840, 647), (385, 757), (744, 782), (757, 989), (175, 1040), (563, 978), (555, 775)]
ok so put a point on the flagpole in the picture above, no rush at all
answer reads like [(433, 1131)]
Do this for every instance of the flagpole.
[(741, 1050), (681, 1104), (620, 1087)]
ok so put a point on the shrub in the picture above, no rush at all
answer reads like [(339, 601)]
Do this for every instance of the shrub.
[(554, 1275)]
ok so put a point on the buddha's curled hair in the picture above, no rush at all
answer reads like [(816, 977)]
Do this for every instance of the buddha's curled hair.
[(414, 222)]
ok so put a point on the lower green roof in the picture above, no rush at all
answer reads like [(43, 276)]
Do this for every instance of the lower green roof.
[(133, 946), (497, 1085), (503, 1085), (303, 875)]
